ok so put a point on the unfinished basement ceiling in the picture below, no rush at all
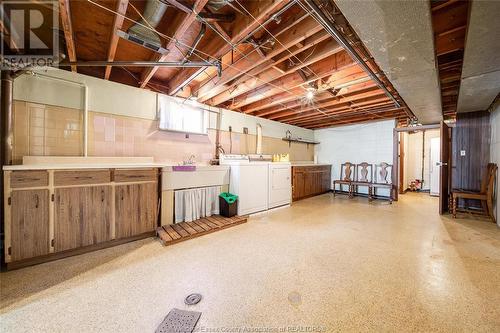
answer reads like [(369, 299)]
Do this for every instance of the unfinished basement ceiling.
[(481, 69), (278, 59), (399, 36)]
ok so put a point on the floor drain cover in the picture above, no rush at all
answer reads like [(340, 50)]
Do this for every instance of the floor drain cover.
[(179, 321), (193, 299)]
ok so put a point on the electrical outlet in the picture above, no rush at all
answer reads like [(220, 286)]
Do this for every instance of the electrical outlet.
[(462, 153)]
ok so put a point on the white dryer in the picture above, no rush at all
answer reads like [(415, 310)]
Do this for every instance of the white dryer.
[(249, 181), (280, 184)]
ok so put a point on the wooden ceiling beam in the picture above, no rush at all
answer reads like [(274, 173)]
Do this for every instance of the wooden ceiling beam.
[(345, 105), (303, 59), (210, 88), (216, 48), (350, 73), (364, 118), (180, 5), (185, 24), (310, 109), (319, 70), (65, 14), (318, 98), (348, 109), (121, 9), (277, 62), (346, 115)]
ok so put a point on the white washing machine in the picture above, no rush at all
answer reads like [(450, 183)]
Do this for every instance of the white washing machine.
[(249, 181), (280, 184)]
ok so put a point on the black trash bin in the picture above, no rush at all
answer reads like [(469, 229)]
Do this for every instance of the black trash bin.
[(228, 204)]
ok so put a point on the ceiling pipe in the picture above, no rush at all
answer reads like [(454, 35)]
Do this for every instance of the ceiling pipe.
[(102, 63), (7, 86), (316, 13), (197, 40), (233, 46), (142, 33)]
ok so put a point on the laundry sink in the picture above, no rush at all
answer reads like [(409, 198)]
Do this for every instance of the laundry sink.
[(184, 168)]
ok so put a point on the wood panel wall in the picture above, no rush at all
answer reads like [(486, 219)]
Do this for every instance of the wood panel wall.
[(472, 133)]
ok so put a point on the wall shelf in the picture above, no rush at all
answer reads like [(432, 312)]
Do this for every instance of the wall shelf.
[(298, 140)]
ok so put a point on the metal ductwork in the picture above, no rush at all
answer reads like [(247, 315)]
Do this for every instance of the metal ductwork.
[(141, 33), (215, 5)]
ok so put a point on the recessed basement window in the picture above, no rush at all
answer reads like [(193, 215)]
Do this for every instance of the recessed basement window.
[(180, 116)]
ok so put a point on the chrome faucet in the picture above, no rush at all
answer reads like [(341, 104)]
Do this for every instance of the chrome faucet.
[(190, 161)]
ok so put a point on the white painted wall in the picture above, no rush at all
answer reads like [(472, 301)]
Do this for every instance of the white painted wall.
[(414, 156), (495, 154), (270, 128), (119, 99), (369, 142)]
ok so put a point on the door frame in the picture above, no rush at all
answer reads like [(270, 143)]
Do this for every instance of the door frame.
[(395, 150)]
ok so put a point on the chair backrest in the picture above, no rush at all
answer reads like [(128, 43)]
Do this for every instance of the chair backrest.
[(347, 171), (489, 180), (364, 172), (383, 173)]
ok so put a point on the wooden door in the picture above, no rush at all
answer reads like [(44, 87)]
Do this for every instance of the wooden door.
[(82, 216), (444, 181), (298, 183), (135, 209), (401, 161), (29, 224)]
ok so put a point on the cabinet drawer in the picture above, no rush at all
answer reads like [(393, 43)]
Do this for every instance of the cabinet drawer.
[(81, 177), (23, 179), (135, 175)]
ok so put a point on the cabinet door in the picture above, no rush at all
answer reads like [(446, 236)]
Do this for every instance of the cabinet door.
[(279, 185), (298, 184), (29, 224), (82, 216), (135, 206), (326, 181)]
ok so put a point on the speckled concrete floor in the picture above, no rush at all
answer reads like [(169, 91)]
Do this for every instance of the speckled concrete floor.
[(324, 264)]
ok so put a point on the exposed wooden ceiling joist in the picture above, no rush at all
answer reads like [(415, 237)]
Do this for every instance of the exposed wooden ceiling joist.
[(184, 25), (65, 14), (121, 9)]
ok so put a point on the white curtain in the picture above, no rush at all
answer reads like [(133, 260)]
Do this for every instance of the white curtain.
[(193, 204)]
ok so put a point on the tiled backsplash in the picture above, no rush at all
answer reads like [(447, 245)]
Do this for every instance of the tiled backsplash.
[(48, 130)]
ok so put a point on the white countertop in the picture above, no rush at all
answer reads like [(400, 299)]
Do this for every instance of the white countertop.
[(165, 167), (309, 163)]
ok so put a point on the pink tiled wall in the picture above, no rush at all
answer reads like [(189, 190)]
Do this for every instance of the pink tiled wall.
[(111, 135)]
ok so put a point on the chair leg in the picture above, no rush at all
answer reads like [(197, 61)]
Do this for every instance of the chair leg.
[(454, 211), (489, 205)]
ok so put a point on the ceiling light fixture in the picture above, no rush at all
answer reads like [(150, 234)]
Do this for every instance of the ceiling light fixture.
[(310, 94)]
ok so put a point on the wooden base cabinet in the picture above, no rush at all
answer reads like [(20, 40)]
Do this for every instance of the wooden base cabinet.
[(308, 181), (82, 216), (29, 224), (136, 209), (51, 214)]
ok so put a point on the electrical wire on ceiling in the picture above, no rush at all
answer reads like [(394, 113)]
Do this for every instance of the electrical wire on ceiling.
[(315, 74), (198, 52), (329, 115)]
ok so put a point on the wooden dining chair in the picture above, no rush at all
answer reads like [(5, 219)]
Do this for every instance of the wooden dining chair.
[(347, 171), (383, 179), (485, 195), (363, 177)]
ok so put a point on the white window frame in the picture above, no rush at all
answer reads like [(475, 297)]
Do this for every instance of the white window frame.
[(166, 105)]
